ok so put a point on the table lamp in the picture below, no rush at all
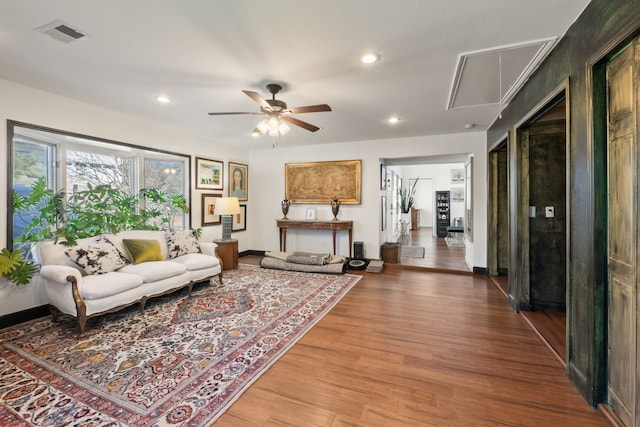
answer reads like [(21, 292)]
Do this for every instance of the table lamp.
[(226, 207)]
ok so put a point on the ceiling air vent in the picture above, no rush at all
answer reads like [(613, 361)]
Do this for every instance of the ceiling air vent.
[(62, 32)]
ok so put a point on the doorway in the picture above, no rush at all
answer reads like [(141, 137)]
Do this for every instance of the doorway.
[(538, 205)]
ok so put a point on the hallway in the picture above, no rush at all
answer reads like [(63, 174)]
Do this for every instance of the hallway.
[(437, 255)]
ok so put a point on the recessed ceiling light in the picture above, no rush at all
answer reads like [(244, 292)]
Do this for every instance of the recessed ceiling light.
[(162, 99), (393, 120), (369, 58), (469, 126)]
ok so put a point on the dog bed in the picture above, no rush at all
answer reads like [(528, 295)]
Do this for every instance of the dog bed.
[(307, 262)]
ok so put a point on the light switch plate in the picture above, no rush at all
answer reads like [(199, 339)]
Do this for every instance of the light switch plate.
[(549, 212)]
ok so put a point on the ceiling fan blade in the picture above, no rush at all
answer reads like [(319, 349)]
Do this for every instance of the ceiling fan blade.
[(310, 109), (304, 125), (260, 100), (233, 112)]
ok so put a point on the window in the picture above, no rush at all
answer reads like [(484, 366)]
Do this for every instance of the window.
[(72, 162)]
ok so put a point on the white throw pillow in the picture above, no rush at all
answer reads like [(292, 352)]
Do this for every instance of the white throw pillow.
[(98, 258), (181, 243)]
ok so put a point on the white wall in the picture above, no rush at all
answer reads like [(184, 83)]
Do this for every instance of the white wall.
[(28, 105), (267, 190)]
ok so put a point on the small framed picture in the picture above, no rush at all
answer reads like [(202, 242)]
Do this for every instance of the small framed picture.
[(240, 220), (209, 174), (209, 216), (239, 181), (383, 177), (311, 214)]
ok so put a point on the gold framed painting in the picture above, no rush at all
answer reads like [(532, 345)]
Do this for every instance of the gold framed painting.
[(320, 182), (209, 216)]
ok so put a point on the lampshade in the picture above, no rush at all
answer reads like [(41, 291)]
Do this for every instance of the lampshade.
[(227, 206)]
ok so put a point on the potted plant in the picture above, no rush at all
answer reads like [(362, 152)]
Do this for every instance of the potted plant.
[(15, 268), (48, 215), (406, 197)]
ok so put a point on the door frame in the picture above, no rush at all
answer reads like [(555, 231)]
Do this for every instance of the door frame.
[(518, 278), (492, 203)]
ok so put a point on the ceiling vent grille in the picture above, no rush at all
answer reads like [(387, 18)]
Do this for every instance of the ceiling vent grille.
[(63, 32)]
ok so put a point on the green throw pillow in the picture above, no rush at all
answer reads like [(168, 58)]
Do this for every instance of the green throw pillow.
[(141, 250)]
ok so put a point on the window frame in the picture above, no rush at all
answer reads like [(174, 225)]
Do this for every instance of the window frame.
[(65, 139)]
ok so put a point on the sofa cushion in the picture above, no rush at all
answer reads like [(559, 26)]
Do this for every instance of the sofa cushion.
[(154, 271), (181, 243), (97, 258), (195, 262), (106, 285), (142, 250)]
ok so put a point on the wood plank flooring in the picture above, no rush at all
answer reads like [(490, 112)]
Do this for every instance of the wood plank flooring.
[(415, 348), (437, 255)]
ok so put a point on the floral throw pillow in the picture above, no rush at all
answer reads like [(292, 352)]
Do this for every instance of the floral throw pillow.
[(98, 258), (182, 243)]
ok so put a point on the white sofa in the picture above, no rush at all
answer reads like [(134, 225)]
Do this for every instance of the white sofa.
[(71, 290)]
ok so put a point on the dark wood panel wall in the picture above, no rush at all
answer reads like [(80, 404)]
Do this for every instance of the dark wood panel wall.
[(603, 29)]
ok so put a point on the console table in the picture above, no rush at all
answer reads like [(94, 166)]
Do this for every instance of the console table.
[(284, 224)]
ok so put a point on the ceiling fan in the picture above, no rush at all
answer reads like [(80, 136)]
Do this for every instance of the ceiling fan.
[(278, 113)]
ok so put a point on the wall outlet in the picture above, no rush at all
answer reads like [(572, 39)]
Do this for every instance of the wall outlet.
[(549, 212)]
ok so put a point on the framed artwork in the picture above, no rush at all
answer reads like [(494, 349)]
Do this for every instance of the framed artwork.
[(240, 220), (209, 216), (457, 176), (383, 177), (239, 181), (320, 182), (311, 214), (457, 194), (209, 174), (383, 212)]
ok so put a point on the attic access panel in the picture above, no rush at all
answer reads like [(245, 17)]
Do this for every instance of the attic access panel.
[(495, 75)]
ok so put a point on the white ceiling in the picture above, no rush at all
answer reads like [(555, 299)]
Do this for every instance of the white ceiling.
[(202, 53)]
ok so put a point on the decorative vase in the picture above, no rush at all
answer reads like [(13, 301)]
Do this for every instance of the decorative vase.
[(335, 207), (285, 207)]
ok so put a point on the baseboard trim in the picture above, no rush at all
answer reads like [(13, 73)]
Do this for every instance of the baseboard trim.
[(24, 316)]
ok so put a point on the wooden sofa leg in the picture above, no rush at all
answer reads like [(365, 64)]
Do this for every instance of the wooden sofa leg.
[(55, 313), (82, 323), (143, 302)]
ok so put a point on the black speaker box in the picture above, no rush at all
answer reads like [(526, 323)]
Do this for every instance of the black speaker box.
[(358, 250)]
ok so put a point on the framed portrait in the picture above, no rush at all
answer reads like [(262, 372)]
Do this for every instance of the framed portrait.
[(209, 174), (240, 220), (209, 216), (320, 182), (239, 181)]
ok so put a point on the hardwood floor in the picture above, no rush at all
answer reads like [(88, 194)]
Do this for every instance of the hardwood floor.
[(410, 347), (437, 255)]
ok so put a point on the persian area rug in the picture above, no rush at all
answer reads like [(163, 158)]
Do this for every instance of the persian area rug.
[(412, 251), (181, 362)]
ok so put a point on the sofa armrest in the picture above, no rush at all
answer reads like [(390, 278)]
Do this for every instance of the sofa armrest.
[(60, 273), (209, 248)]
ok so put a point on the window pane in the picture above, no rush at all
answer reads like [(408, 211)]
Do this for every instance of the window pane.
[(168, 176), (32, 160), (84, 167)]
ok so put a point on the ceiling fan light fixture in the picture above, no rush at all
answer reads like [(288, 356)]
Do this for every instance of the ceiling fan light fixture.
[(263, 127), (283, 128), (273, 121)]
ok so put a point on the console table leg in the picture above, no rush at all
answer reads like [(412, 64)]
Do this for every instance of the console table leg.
[(334, 241)]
